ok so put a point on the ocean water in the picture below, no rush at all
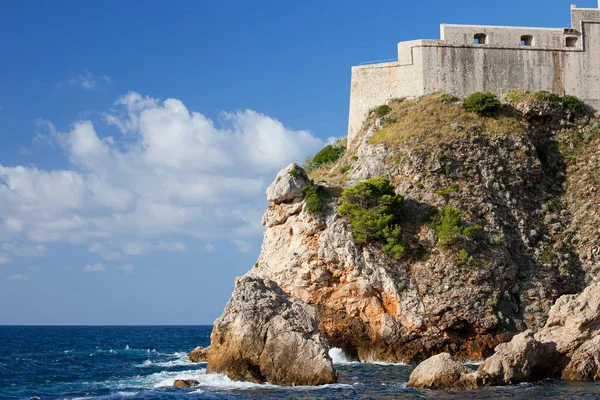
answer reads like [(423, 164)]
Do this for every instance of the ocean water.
[(142, 363)]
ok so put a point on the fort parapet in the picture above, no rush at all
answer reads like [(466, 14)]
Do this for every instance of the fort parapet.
[(475, 58)]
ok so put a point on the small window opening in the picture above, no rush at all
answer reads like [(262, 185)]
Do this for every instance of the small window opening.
[(571, 42), (480, 38), (526, 40)]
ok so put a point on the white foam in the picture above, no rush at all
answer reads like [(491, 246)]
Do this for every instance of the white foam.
[(145, 364), (340, 357)]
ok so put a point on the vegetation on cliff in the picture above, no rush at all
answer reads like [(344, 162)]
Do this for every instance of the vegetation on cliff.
[(454, 230), (374, 211)]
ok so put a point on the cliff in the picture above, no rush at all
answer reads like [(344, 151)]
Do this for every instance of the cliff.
[(488, 221)]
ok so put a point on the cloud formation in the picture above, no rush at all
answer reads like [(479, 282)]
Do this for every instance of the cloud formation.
[(128, 269), (19, 277), (98, 267), (169, 177), (87, 80)]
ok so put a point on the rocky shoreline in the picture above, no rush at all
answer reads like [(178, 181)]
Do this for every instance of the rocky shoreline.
[(478, 231)]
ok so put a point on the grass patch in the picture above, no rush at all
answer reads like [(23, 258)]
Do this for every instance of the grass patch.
[(428, 121), (446, 191)]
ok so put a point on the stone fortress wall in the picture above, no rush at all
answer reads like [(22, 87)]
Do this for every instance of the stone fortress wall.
[(472, 58)]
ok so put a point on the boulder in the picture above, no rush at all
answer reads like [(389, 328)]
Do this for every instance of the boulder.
[(265, 336), (572, 320), (584, 365), (288, 185), (441, 372), (523, 359), (185, 383), (199, 354)]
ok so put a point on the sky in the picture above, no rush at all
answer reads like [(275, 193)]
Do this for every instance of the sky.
[(137, 138)]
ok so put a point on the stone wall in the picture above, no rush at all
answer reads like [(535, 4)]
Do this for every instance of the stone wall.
[(560, 60)]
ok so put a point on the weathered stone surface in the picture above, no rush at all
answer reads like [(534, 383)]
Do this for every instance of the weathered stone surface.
[(265, 336), (185, 383), (523, 359), (573, 320), (199, 354), (530, 183), (585, 362), (288, 184), (442, 373)]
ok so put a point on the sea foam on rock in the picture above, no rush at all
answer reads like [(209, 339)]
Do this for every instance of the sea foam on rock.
[(265, 336)]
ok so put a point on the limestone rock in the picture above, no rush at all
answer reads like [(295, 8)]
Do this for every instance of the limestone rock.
[(288, 185), (523, 359), (442, 373), (573, 320), (199, 354), (585, 362), (186, 383), (265, 336)]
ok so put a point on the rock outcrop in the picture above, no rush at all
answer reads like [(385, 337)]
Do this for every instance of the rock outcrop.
[(525, 190), (199, 354), (568, 347), (523, 359), (265, 336), (442, 373), (186, 383)]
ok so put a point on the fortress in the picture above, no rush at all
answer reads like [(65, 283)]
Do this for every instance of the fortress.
[(478, 58)]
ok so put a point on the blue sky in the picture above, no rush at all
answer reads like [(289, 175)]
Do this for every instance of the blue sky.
[(137, 138)]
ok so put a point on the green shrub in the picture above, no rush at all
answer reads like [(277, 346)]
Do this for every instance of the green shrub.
[(462, 258), (547, 97), (313, 198), (446, 191), (382, 111), (293, 172), (572, 103), (393, 240), (345, 168), (374, 210), (447, 98), (328, 154), (485, 104), (473, 231), (447, 227), (354, 158)]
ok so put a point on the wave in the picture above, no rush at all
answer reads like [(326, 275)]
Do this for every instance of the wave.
[(181, 361), (338, 356)]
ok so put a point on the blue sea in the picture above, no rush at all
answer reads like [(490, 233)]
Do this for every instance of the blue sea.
[(142, 363)]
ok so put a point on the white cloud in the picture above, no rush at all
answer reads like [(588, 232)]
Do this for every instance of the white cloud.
[(242, 246), (98, 267), (128, 269), (208, 248), (173, 175), (87, 80), (19, 277), (24, 250), (4, 259)]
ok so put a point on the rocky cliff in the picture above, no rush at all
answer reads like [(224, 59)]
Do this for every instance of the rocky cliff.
[(497, 217)]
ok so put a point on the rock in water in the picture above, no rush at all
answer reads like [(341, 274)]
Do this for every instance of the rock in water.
[(441, 372), (265, 336), (199, 354), (186, 383), (523, 359)]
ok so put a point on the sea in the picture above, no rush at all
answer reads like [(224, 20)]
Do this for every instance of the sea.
[(142, 362)]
